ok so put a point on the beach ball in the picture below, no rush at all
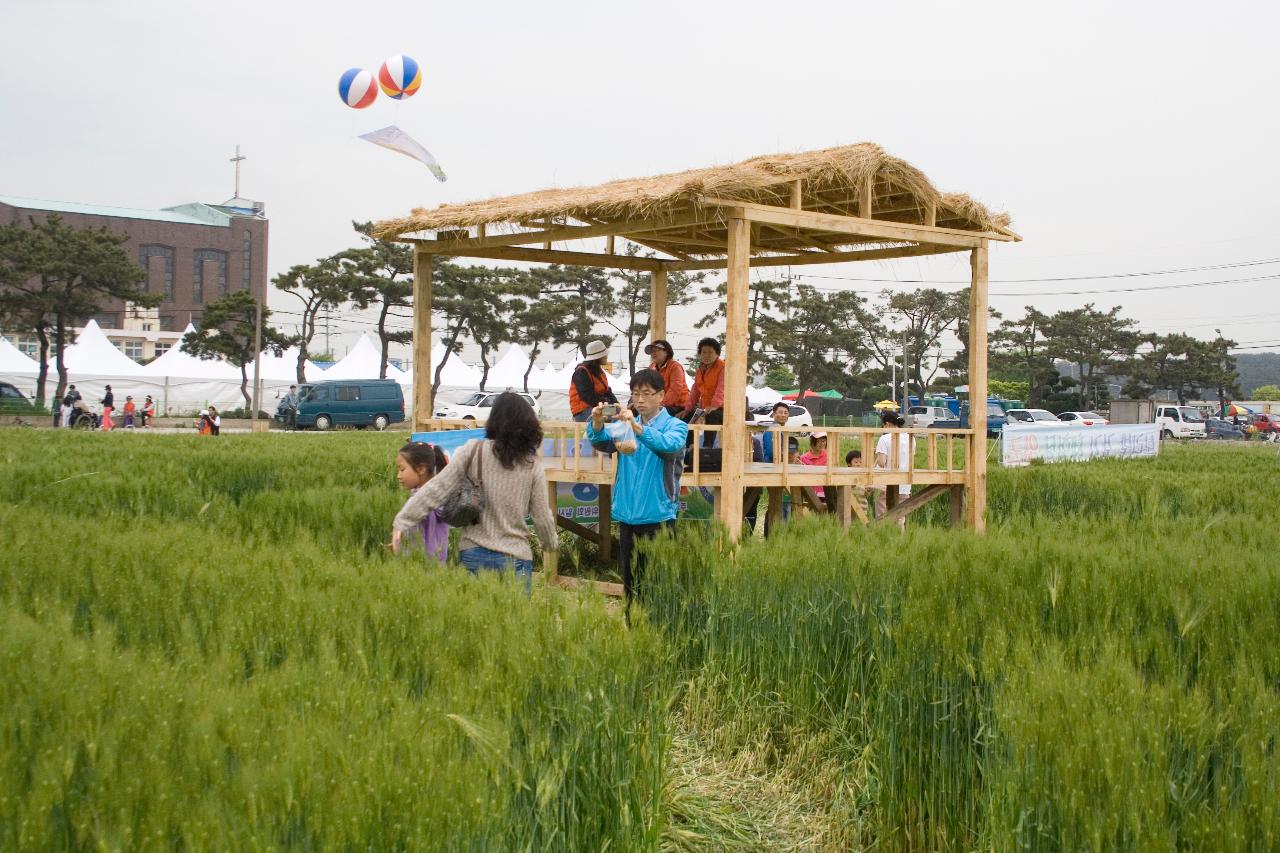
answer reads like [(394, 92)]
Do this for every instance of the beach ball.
[(399, 77), (356, 88)]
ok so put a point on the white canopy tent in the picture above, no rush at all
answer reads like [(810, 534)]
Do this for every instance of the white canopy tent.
[(14, 360), (177, 362), (93, 354), (363, 362)]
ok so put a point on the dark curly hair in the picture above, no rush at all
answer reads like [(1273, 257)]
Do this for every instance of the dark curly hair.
[(514, 430)]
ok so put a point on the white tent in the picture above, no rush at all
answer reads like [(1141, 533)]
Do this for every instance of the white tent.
[(178, 362), (14, 360), (363, 362), (457, 373), (508, 371), (762, 396), (94, 355), (284, 367)]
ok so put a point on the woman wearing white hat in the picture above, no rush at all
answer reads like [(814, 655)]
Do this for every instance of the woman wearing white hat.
[(590, 386)]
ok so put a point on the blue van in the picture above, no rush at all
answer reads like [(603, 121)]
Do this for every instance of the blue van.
[(355, 402)]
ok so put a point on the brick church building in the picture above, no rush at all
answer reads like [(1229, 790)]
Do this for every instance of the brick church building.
[(192, 253)]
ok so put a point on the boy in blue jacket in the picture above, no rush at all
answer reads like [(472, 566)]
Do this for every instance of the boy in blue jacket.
[(646, 493)]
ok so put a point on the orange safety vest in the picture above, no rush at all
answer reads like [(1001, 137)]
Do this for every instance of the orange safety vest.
[(677, 382), (599, 382)]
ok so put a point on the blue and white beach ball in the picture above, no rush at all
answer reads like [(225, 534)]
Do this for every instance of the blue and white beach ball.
[(357, 88)]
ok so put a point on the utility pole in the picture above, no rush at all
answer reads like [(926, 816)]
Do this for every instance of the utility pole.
[(906, 376)]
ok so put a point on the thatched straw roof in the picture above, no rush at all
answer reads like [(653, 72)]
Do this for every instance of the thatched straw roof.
[(832, 181)]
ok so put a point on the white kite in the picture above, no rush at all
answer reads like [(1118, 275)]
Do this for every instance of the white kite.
[(396, 139)]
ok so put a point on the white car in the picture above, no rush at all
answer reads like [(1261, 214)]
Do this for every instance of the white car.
[(1035, 419), (923, 416), (477, 406), (762, 416), (1084, 418)]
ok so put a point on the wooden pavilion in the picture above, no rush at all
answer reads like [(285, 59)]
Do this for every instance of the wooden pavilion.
[(851, 203)]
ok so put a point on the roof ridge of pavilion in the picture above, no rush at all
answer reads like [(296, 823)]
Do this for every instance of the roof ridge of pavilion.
[(833, 180)]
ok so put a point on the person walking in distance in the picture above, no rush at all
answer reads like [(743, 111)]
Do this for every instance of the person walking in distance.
[(290, 405), (69, 401), (646, 491), (108, 403)]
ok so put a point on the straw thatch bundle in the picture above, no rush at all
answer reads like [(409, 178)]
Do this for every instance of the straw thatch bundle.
[(832, 180)]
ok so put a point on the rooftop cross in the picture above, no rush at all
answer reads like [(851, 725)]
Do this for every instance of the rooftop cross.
[(236, 159)]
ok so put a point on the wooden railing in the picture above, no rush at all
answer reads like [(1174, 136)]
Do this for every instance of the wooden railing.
[(938, 455)]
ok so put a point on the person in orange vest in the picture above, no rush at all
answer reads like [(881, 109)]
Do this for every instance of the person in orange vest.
[(130, 410), (672, 372), (148, 412), (706, 398), (590, 386)]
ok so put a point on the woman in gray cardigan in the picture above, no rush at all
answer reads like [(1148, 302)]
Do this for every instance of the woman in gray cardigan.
[(514, 485)]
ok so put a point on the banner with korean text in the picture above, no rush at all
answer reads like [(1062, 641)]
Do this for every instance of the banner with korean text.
[(1022, 445)]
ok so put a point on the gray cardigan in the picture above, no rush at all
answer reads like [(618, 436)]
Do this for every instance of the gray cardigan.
[(509, 495)]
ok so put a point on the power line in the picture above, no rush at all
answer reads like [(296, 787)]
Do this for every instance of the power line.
[(1088, 292), (1231, 265)]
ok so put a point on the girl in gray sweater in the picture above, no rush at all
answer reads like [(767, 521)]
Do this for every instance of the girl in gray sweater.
[(515, 487)]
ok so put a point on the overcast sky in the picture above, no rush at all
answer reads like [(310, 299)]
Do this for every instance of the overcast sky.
[(1122, 137)]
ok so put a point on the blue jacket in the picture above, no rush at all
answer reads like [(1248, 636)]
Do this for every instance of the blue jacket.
[(647, 488)]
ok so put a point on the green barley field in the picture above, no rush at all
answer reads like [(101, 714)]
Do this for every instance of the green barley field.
[(205, 646)]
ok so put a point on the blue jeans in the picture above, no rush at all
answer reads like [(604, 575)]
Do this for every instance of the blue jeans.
[(477, 559)]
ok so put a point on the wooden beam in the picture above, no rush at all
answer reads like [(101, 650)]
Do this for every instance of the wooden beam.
[(861, 227), (558, 256), (977, 467), (957, 506), (658, 305), (866, 198), (917, 500), (807, 258), (734, 435), (797, 187), (557, 233), (931, 215), (422, 410)]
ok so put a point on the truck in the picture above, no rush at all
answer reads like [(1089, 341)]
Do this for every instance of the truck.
[(1174, 421), (996, 419)]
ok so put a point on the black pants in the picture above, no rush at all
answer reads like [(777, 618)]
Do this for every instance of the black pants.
[(631, 564), (708, 438)]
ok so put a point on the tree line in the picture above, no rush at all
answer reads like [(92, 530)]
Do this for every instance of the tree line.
[(54, 277)]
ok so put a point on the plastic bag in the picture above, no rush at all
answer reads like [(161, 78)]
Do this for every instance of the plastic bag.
[(624, 438)]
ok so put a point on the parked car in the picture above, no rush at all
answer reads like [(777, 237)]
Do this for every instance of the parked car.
[(1219, 428), (356, 402), (923, 416), (1038, 418), (1180, 421), (12, 400), (1083, 418), (763, 415), (476, 407)]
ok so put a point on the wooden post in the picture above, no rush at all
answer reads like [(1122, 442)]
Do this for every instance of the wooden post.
[(797, 193), (604, 523), (658, 305), (734, 433), (977, 473), (422, 410), (550, 562), (957, 506)]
